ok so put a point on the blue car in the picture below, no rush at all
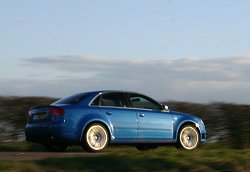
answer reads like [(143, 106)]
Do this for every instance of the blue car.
[(99, 118)]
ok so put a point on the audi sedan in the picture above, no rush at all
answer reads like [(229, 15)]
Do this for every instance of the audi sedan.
[(99, 118)]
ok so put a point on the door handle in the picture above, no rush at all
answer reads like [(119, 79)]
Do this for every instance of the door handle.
[(141, 115), (108, 113)]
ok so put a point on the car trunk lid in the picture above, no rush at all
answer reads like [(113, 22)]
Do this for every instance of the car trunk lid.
[(44, 113)]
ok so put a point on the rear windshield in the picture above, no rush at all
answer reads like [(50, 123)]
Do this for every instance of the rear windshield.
[(72, 99)]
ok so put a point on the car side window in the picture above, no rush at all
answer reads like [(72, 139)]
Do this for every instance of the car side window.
[(143, 102), (111, 99)]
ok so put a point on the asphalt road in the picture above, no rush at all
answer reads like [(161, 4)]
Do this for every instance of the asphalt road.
[(27, 156)]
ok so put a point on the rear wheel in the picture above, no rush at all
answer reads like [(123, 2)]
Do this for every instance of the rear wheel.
[(188, 137), (55, 147), (95, 138)]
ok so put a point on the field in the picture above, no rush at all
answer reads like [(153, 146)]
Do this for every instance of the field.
[(125, 158)]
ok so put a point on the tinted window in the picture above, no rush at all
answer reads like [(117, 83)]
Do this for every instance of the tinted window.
[(111, 99), (72, 99), (140, 101)]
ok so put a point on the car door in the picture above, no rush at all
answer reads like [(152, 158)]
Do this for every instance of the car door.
[(153, 122), (123, 120)]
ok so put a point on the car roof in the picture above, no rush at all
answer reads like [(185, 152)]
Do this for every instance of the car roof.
[(113, 91)]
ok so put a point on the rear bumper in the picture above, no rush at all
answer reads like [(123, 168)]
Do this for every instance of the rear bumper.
[(45, 133)]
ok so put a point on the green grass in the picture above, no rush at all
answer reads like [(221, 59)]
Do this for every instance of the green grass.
[(120, 158), (20, 146)]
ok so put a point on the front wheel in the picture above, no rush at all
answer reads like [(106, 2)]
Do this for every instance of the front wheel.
[(188, 137), (95, 138)]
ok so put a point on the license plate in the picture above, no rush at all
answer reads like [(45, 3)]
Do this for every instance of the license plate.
[(40, 116)]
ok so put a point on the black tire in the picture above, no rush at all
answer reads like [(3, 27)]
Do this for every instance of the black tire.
[(95, 138), (188, 137), (55, 147)]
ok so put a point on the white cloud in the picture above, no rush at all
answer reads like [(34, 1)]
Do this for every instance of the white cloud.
[(243, 60), (198, 80)]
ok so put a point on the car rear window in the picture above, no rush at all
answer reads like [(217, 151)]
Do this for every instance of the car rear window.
[(72, 99), (111, 99)]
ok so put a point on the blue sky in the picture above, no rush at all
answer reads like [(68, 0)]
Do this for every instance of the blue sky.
[(169, 49)]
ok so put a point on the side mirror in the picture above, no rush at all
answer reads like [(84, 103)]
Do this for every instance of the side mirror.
[(165, 107)]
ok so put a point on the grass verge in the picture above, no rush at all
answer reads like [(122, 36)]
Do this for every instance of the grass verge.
[(120, 158)]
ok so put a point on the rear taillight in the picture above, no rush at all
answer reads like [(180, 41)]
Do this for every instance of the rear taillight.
[(56, 111)]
